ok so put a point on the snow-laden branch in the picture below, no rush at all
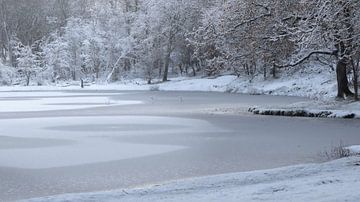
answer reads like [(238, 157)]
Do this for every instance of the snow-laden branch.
[(267, 14), (333, 53)]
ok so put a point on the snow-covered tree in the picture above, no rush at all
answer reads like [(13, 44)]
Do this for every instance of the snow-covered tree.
[(27, 65)]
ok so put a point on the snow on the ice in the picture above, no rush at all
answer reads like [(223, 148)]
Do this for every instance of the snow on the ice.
[(46, 101), (33, 94), (88, 139)]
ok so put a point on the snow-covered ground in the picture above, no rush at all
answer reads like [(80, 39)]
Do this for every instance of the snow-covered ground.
[(338, 180), (330, 109), (355, 150), (318, 84), (312, 82), (316, 87)]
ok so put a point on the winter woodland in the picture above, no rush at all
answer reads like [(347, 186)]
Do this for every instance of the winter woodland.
[(50, 41)]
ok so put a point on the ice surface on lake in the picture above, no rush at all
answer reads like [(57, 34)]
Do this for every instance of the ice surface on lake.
[(87, 146), (84, 152)]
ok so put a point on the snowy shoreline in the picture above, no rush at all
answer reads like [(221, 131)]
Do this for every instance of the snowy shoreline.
[(331, 181), (321, 90), (230, 84)]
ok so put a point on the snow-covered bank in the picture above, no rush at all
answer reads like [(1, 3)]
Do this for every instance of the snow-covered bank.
[(310, 83), (333, 181), (324, 109), (319, 84)]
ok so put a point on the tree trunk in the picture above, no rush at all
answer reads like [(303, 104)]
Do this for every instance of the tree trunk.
[(356, 85), (3, 55), (274, 71), (9, 47), (194, 70), (27, 75), (342, 80), (181, 69), (265, 73), (160, 71), (97, 71), (167, 63), (73, 74), (355, 65)]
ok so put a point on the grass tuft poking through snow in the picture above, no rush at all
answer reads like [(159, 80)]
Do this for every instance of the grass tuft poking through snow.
[(337, 152)]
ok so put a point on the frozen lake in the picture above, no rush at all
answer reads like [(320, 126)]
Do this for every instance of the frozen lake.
[(80, 141)]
